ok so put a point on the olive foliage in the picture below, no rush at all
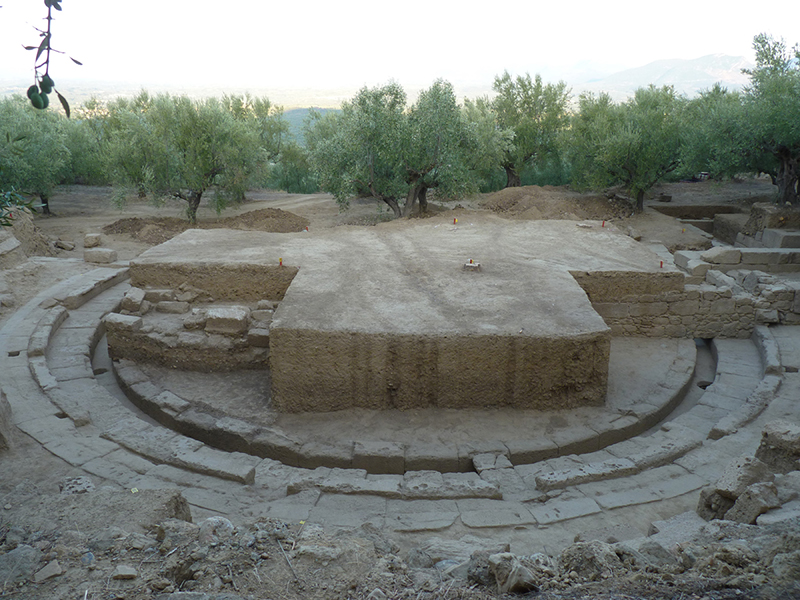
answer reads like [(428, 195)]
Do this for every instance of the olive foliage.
[(635, 144), (536, 112), (168, 146), (34, 157), (380, 147)]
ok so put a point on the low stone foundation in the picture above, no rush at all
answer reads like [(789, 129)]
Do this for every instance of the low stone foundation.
[(191, 336)]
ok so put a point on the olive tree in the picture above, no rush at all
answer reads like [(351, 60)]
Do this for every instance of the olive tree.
[(536, 112), (378, 147), (177, 147), (772, 114), (437, 147), (39, 158), (635, 144), (356, 151)]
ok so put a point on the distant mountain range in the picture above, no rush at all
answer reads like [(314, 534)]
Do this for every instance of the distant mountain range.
[(688, 77)]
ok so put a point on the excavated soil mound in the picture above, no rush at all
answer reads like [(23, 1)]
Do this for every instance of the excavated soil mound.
[(156, 230), (534, 202), (32, 241)]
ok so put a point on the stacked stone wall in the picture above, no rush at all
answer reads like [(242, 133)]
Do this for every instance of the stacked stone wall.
[(727, 305)]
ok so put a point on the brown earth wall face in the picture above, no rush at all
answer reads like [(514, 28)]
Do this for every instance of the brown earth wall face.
[(227, 281), (608, 286), (320, 371)]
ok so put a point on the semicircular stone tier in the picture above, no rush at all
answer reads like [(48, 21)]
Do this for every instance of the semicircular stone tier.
[(397, 317)]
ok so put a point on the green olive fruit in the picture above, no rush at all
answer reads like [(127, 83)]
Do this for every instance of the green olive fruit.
[(32, 90), (45, 101), (37, 101), (46, 84)]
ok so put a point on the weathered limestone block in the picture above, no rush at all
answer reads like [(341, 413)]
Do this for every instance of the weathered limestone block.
[(754, 501), (156, 296), (740, 474), (91, 240), (115, 322), (132, 300), (712, 505), (722, 255), (172, 307), (100, 255), (258, 337), (231, 320)]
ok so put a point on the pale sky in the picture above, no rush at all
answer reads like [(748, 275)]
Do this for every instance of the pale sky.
[(262, 45)]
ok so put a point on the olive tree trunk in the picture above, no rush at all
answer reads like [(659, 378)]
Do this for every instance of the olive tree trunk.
[(512, 177), (787, 178)]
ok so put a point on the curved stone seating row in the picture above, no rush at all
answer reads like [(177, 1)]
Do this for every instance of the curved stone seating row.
[(163, 446), (384, 457), (740, 400), (59, 349), (74, 363)]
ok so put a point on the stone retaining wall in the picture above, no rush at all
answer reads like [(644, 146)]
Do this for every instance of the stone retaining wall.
[(183, 335), (703, 311), (726, 305)]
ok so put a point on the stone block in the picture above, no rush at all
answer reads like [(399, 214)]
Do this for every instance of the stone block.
[(117, 322), (156, 296), (231, 320), (529, 451), (132, 300), (608, 469), (684, 307), (258, 337), (698, 268), (740, 474), (480, 513), (262, 316), (764, 316), (683, 257), (724, 255), (101, 256), (566, 506), (490, 460), (379, 457), (318, 454), (760, 256), (439, 457), (91, 240), (172, 307), (753, 502)]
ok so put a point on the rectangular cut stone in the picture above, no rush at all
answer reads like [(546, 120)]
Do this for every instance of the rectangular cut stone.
[(439, 457), (379, 457), (100, 255), (132, 300), (722, 255), (528, 451), (230, 320), (781, 238), (118, 322), (480, 513), (563, 508)]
